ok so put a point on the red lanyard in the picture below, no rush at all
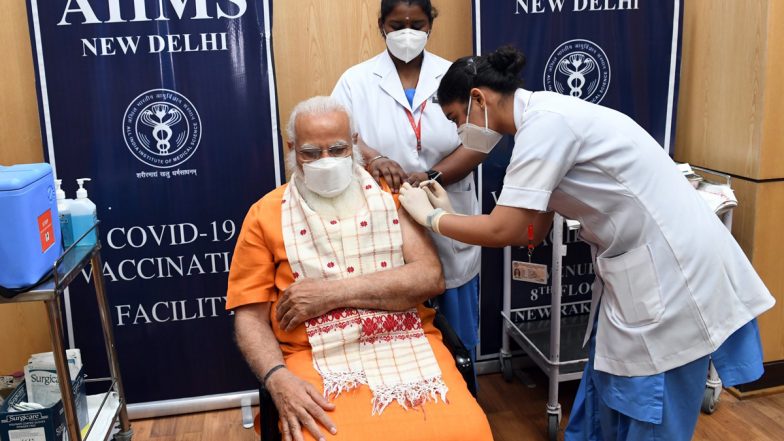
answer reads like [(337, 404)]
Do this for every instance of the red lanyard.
[(530, 242), (417, 126)]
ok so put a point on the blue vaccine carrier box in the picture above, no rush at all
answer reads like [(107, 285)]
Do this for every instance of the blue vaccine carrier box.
[(29, 225)]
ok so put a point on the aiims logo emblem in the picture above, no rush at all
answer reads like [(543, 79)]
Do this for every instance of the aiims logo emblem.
[(162, 128), (578, 68)]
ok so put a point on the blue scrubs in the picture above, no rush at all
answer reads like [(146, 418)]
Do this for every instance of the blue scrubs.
[(460, 307), (410, 95), (658, 407)]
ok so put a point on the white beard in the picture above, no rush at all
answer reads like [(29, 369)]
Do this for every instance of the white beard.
[(342, 206)]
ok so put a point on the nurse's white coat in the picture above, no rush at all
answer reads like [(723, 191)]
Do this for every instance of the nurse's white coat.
[(373, 92), (673, 282)]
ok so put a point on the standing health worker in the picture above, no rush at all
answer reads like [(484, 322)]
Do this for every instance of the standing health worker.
[(405, 137), (672, 286)]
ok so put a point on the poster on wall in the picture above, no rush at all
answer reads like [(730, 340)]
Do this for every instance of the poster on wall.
[(623, 54), (168, 106)]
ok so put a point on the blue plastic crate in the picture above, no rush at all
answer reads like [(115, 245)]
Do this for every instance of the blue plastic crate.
[(29, 225)]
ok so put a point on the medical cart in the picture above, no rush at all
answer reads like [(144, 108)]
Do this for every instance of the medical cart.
[(713, 386), (107, 409), (562, 359)]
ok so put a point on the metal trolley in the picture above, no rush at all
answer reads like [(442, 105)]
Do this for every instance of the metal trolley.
[(561, 359), (713, 386), (110, 408)]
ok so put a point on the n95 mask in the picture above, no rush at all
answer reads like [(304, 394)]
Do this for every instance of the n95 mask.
[(406, 44), (480, 139), (328, 177)]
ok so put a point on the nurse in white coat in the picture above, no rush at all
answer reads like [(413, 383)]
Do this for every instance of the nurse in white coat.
[(672, 286), (406, 137)]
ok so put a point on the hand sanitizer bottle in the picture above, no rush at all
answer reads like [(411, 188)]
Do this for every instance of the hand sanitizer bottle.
[(64, 212), (83, 215)]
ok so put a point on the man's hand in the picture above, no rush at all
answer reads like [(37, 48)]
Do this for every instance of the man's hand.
[(302, 301), (300, 406)]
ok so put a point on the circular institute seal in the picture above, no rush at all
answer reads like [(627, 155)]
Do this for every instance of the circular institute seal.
[(162, 128), (579, 68)]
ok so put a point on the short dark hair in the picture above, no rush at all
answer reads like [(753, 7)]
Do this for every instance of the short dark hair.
[(498, 70), (388, 5)]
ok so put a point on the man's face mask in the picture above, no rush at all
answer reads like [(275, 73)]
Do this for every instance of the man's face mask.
[(328, 177), (406, 44), (481, 139)]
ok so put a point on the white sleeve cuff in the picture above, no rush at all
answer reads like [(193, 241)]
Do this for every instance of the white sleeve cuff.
[(528, 198)]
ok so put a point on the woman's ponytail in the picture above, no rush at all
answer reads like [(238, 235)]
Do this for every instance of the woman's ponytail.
[(507, 60), (498, 70)]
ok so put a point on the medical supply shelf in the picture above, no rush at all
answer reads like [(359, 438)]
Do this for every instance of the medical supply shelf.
[(561, 359), (534, 337), (106, 410)]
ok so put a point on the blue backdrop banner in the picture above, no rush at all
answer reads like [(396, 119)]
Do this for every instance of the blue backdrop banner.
[(623, 54), (169, 106)]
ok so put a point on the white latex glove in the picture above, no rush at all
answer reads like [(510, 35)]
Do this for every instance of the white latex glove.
[(437, 195), (416, 203)]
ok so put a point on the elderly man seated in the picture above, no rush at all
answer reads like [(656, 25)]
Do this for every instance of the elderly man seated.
[(327, 282)]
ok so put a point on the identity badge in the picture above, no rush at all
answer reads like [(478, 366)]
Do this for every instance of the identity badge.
[(529, 272)]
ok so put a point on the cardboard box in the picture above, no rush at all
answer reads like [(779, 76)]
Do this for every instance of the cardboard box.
[(41, 425)]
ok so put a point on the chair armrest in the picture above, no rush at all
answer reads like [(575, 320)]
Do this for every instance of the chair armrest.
[(458, 350)]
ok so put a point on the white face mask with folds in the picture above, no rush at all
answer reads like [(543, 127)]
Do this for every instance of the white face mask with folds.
[(474, 137), (406, 44), (328, 177)]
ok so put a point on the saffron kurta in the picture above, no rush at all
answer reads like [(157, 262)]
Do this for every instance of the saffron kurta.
[(260, 272)]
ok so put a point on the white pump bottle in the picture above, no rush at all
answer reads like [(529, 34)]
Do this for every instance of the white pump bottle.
[(83, 215), (64, 213)]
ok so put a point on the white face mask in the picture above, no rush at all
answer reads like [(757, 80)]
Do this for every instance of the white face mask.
[(481, 139), (406, 44), (328, 177)]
